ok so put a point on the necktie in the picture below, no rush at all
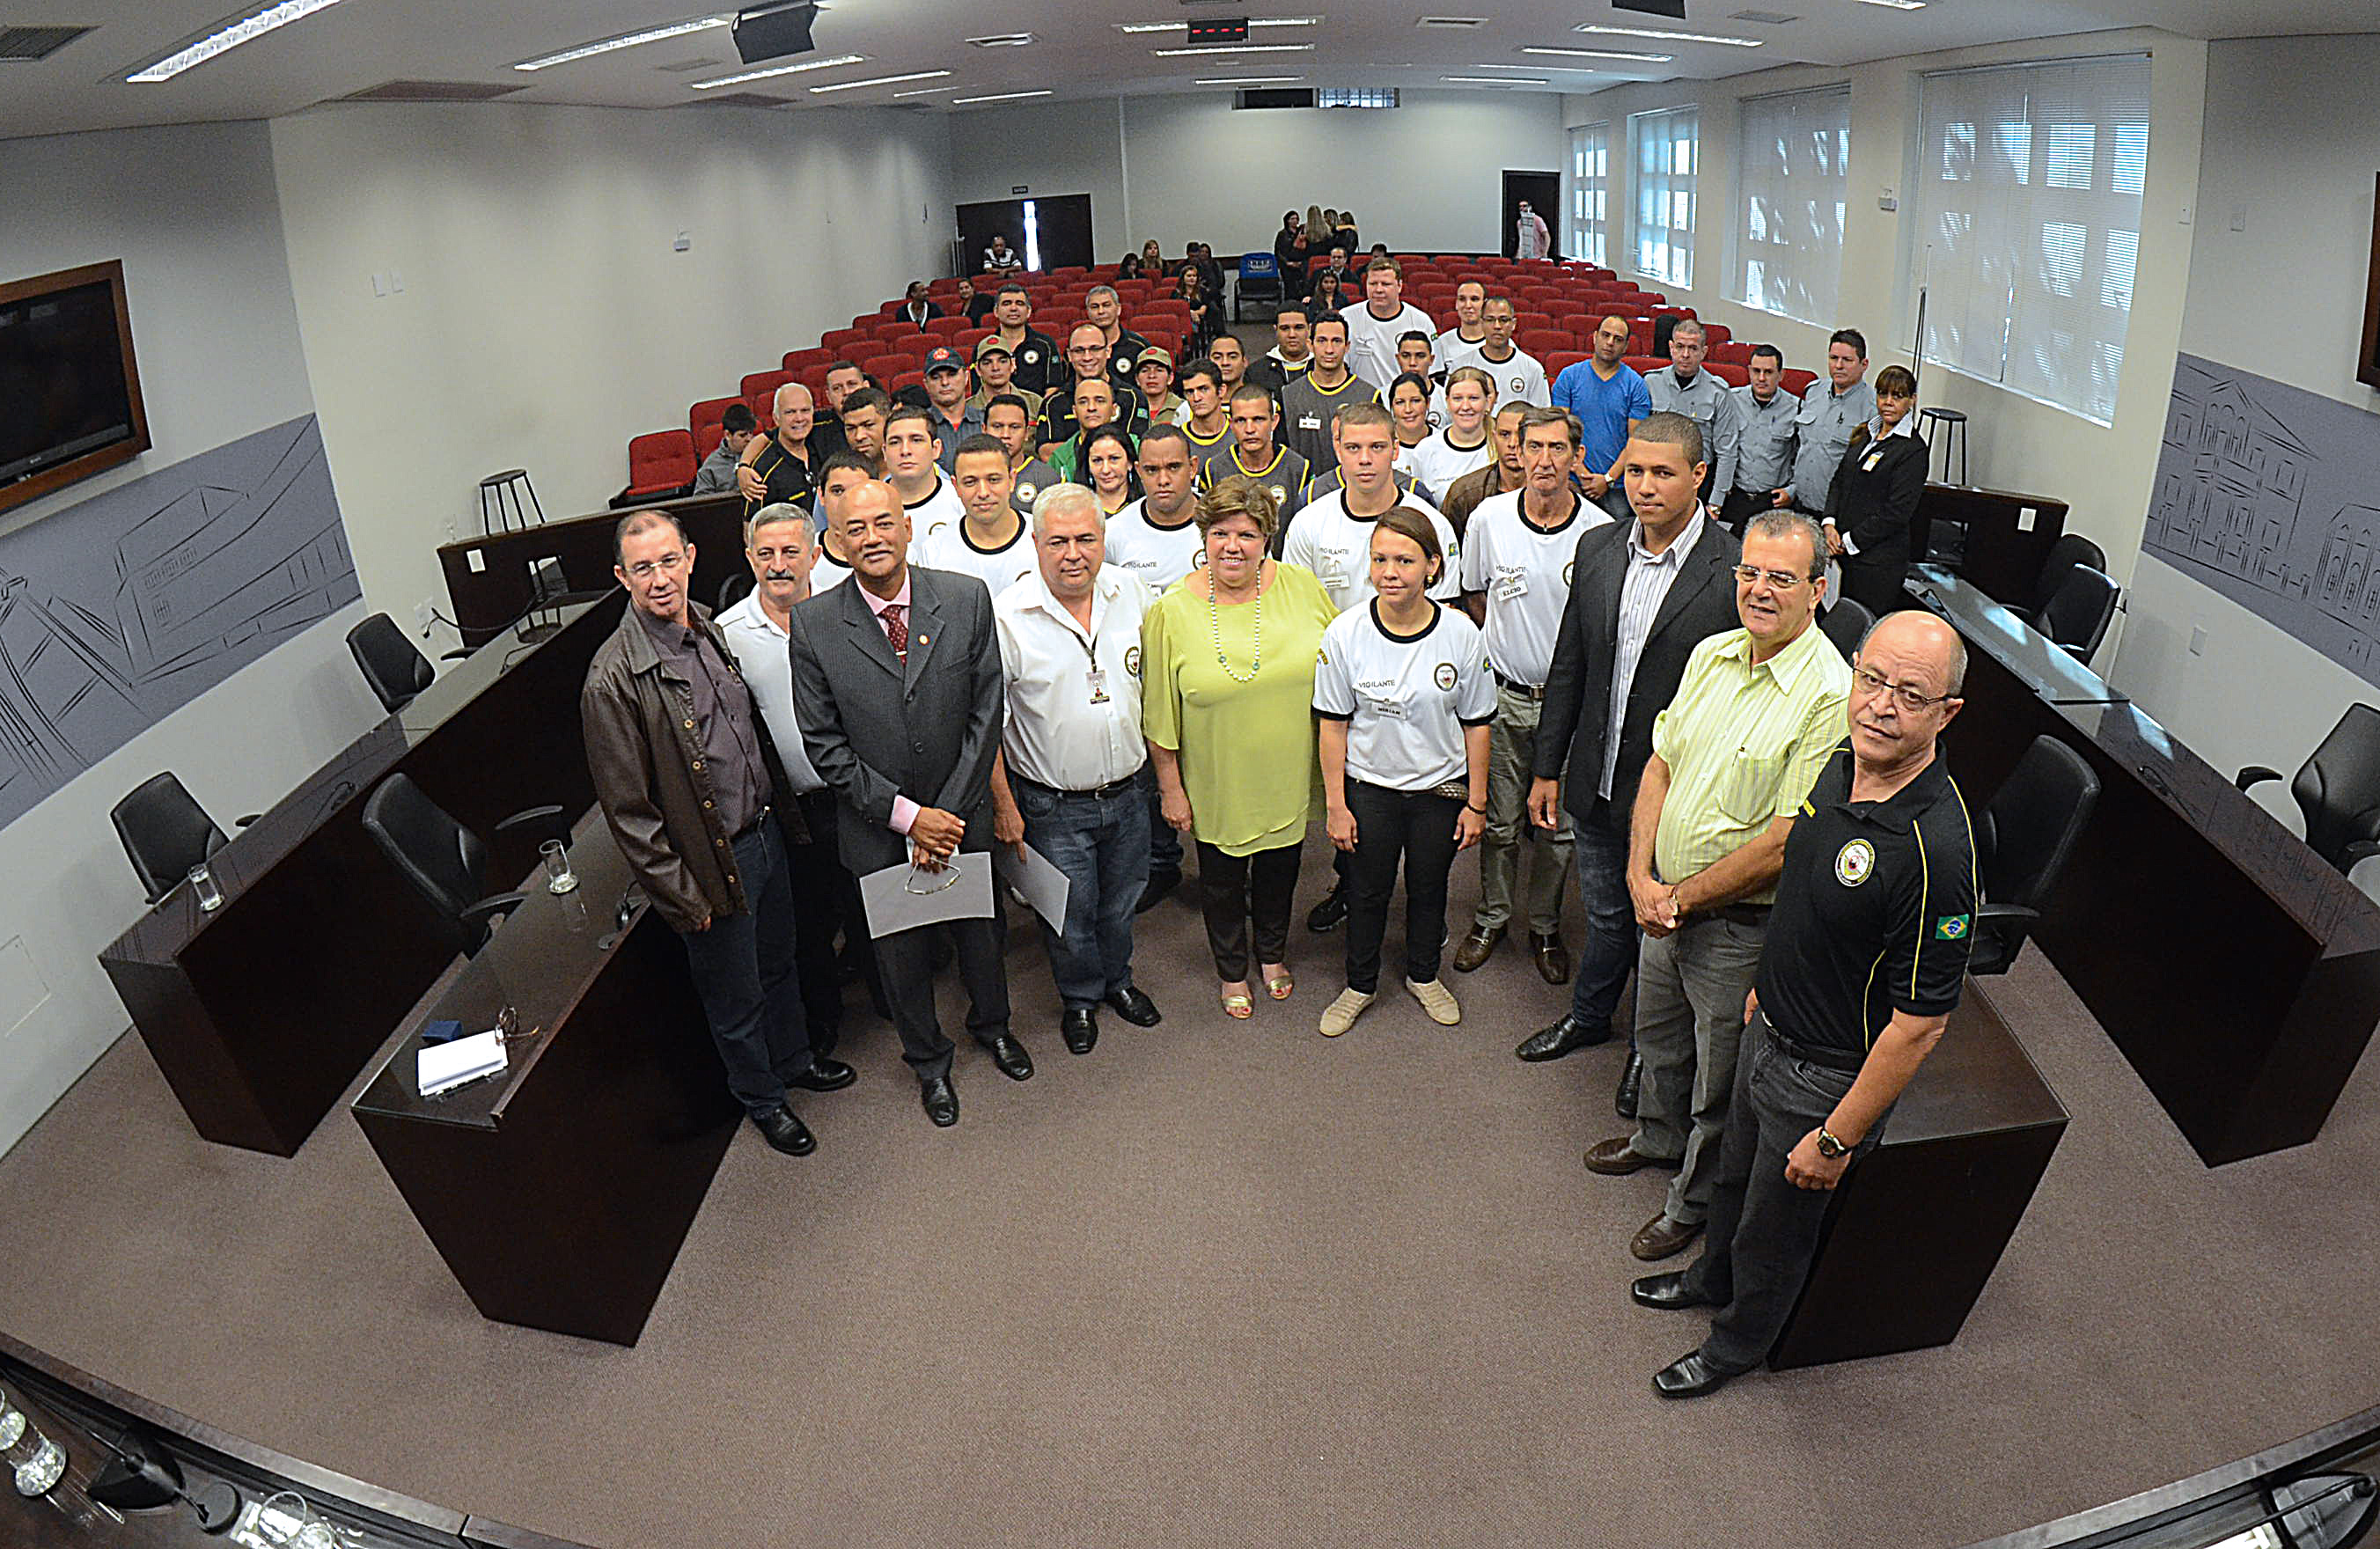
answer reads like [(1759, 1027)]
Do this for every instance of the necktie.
[(896, 629)]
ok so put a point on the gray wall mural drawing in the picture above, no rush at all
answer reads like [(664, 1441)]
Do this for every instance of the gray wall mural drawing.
[(120, 609)]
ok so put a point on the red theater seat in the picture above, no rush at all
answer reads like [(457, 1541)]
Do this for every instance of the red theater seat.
[(660, 466), (708, 412), (1798, 381)]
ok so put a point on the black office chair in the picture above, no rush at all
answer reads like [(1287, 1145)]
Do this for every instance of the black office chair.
[(2337, 788), (391, 665), (2022, 840), (165, 832), (735, 589), (2069, 551), (446, 863), (1846, 623), (2076, 615)]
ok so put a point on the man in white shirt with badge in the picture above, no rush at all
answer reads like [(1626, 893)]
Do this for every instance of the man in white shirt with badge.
[(1065, 783), (1517, 553), (779, 545), (1520, 376), (912, 467), (1332, 535), (1156, 538), (1459, 345), (991, 541), (1374, 328)]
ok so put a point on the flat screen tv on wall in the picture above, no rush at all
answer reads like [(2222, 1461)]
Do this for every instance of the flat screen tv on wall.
[(69, 394)]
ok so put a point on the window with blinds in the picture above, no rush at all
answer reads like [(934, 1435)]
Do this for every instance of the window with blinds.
[(2027, 223), (1789, 235), (1666, 157), (1590, 193)]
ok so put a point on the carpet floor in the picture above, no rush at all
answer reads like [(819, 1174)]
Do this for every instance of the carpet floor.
[(1214, 1282)]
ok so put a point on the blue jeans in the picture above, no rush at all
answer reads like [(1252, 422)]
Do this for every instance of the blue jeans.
[(743, 970), (1099, 839), (1164, 843), (1600, 836)]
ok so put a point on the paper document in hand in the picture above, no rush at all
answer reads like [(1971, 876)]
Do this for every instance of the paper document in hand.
[(1044, 886), (902, 898)]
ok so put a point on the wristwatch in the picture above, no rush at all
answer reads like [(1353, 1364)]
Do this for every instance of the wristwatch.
[(1829, 1146)]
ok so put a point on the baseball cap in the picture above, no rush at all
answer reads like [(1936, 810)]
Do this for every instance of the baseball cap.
[(941, 358), (1157, 353), (989, 343)]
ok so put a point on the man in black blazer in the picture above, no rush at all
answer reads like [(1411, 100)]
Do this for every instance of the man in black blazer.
[(897, 688), (1643, 595)]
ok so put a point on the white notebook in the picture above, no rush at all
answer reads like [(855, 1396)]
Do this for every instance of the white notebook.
[(441, 1067)]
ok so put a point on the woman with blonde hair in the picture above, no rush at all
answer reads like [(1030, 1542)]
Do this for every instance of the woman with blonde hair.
[(1227, 691)]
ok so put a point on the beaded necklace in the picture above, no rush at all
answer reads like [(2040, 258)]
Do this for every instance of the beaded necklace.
[(1215, 621)]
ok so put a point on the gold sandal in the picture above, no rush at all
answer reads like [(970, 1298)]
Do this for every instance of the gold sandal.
[(1279, 986), (1239, 1008)]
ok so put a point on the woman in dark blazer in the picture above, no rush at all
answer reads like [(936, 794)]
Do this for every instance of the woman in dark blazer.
[(1874, 499)]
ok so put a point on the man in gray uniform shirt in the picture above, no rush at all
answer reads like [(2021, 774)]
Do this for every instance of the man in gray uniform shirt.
[(1686, 388), (1831, 410), (1766, 415)]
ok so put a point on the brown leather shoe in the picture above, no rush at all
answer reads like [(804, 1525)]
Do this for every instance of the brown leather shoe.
[(1661, 1237), (1617, 1158), (1477, 947), (1553, 958)]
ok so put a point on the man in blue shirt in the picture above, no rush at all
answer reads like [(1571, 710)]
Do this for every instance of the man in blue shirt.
[(1609, 399)]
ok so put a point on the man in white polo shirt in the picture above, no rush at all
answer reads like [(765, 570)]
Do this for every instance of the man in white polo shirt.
[(1374, 328), (1459, 343), (913, 450), (1065, 782), (989, 541), (1517, 552)]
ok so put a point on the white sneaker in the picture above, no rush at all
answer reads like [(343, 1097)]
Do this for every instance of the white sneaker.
[(1340, 1014), (1438, 1000)]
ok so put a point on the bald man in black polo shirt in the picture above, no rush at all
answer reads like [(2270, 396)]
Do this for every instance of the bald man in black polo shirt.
[(1866, 950)]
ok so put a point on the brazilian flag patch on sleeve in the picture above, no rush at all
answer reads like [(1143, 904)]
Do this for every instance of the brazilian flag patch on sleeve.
[(1952, 927)]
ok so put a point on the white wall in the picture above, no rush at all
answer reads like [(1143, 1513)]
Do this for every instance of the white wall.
[(1423, 176), (2283, 298), (2105, 472), (545, 318), (193, 214)]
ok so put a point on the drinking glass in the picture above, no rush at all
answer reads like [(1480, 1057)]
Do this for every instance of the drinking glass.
[(559, 877), (203, 888)]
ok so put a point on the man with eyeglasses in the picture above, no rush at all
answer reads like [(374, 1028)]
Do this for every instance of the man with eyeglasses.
[(1867, 951), (684, 777), (1758, 713)]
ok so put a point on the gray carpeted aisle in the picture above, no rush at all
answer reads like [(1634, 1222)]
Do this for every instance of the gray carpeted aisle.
[(1215, 1282)]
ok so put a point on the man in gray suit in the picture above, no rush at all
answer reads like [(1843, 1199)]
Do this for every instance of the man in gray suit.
[(1644, 593), (897, 688)]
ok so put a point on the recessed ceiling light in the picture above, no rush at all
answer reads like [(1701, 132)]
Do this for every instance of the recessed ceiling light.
[(739, 79), (1233, 48), (625, 39), (1497, 80), (1249, 80), (924, 91), (246, 30), (1898, 5), (1001, 97), (1667, 37), (879, 81), (1001, 40), (1252, 22), (1602, 54), (1456, 22)]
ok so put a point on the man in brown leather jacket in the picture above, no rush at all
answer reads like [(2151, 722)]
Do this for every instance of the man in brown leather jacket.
[(681, 764)]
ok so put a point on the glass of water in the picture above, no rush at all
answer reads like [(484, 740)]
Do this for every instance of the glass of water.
[(204, 889), (559, 877), (287, 1521), (36, 1461)]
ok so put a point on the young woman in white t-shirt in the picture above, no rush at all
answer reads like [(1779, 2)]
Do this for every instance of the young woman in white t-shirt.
[(1464, 443), (1408, 403), (1405, 698)]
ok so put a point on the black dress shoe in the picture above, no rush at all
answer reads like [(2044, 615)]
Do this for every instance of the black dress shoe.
[(1153, 892), (1566, 1036), (1010, 1055), (1690, 1377), (1631, 1083), (1134, 1006), (1666, 1293), (787, 1134), (941, 1102), (823, 1075), (1327, 914), (1079, 1028)]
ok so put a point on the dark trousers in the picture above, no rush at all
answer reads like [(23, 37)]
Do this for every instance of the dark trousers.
[(1100, 841), (822, 890), (1762, 1231), (1875, 579), (1417, 829), (904, 969), (1600, 837), (743, 970), (1164, 840), (1742, 506), (1239, 890)]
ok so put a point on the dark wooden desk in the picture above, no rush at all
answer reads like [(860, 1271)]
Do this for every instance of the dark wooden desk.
[(490, 579), (560, 1189), (260, 1013), (2004, 549), (2239, 975), (1919, 1225)]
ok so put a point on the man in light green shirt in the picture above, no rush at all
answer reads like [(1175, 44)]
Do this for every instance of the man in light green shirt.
[(1757, 715)]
